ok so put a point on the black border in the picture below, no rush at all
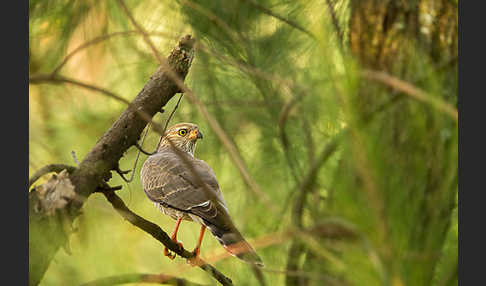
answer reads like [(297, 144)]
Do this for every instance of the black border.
[(472, 142)]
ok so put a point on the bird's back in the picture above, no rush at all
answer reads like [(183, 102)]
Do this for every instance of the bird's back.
[(188, 185)]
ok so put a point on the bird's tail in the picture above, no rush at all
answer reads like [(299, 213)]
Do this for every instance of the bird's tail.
[(236, 245)]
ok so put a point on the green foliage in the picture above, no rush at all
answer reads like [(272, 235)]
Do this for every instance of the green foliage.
[(282, 95)]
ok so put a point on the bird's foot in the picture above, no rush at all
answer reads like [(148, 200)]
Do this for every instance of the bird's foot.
[(169, 254), (181, 247), (196, 251), (173, 255), (195, 260)]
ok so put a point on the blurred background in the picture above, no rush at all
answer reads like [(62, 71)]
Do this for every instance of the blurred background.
[(343, 111)]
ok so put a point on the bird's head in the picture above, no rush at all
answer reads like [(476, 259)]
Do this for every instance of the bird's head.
[(183, 136)]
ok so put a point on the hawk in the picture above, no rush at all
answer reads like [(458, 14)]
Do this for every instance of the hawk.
[(185, 188)]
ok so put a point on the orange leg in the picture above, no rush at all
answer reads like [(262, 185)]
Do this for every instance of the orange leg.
[(174, 238), (197, 250), (196, 261)]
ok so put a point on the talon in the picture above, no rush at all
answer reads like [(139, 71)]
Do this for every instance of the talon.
[(196, 251), (174, 239), (194, 261), (170, 255)]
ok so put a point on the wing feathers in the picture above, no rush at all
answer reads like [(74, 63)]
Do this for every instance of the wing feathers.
[(166, 179)]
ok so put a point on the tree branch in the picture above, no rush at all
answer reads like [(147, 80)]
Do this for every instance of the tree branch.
[(48, 169), (287, 21), (57, 79), (161, 236), (411, 91), (45, 233), (335, 22), (98, 40)]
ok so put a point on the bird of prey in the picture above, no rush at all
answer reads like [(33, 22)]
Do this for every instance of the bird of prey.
[(185, 188)]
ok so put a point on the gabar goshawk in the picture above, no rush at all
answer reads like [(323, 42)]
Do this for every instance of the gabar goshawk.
[(185, 188)]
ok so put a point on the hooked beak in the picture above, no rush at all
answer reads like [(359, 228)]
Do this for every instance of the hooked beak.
[(196, 134)]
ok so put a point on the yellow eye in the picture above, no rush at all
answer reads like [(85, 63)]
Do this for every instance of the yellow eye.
[(183, 132)]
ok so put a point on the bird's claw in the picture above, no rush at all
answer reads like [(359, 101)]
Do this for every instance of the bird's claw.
[(173, 255), (169, 254), (195, 260)]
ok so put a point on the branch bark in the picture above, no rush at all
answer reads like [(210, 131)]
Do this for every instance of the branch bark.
[(46, 233), (160, 235)]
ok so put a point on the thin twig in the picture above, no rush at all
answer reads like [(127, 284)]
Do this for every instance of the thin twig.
[(98, 40), (335, 22), (143, 151), (309, 179), (287, 21), (49, 78), (168, 120), (411, 91), (94, 41), (214, 18), (48, 169), (139, 147), (284, 114), (257, 271)]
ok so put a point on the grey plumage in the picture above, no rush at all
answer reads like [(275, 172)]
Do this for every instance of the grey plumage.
[(183, 186)]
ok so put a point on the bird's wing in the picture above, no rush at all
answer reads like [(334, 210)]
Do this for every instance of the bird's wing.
[(166, 178)]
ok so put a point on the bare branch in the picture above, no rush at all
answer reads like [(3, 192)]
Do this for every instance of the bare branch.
[(168, 120), (143, 151), (335, 22), (154, 230), (98, 40), (214, 18), (56, 79), (48, 169), (284, 115), (411, 91), (287, 21)]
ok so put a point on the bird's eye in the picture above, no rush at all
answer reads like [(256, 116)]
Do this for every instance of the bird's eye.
[(183, 132)]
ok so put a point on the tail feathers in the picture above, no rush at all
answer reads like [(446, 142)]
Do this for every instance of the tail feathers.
[(236, 245)]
